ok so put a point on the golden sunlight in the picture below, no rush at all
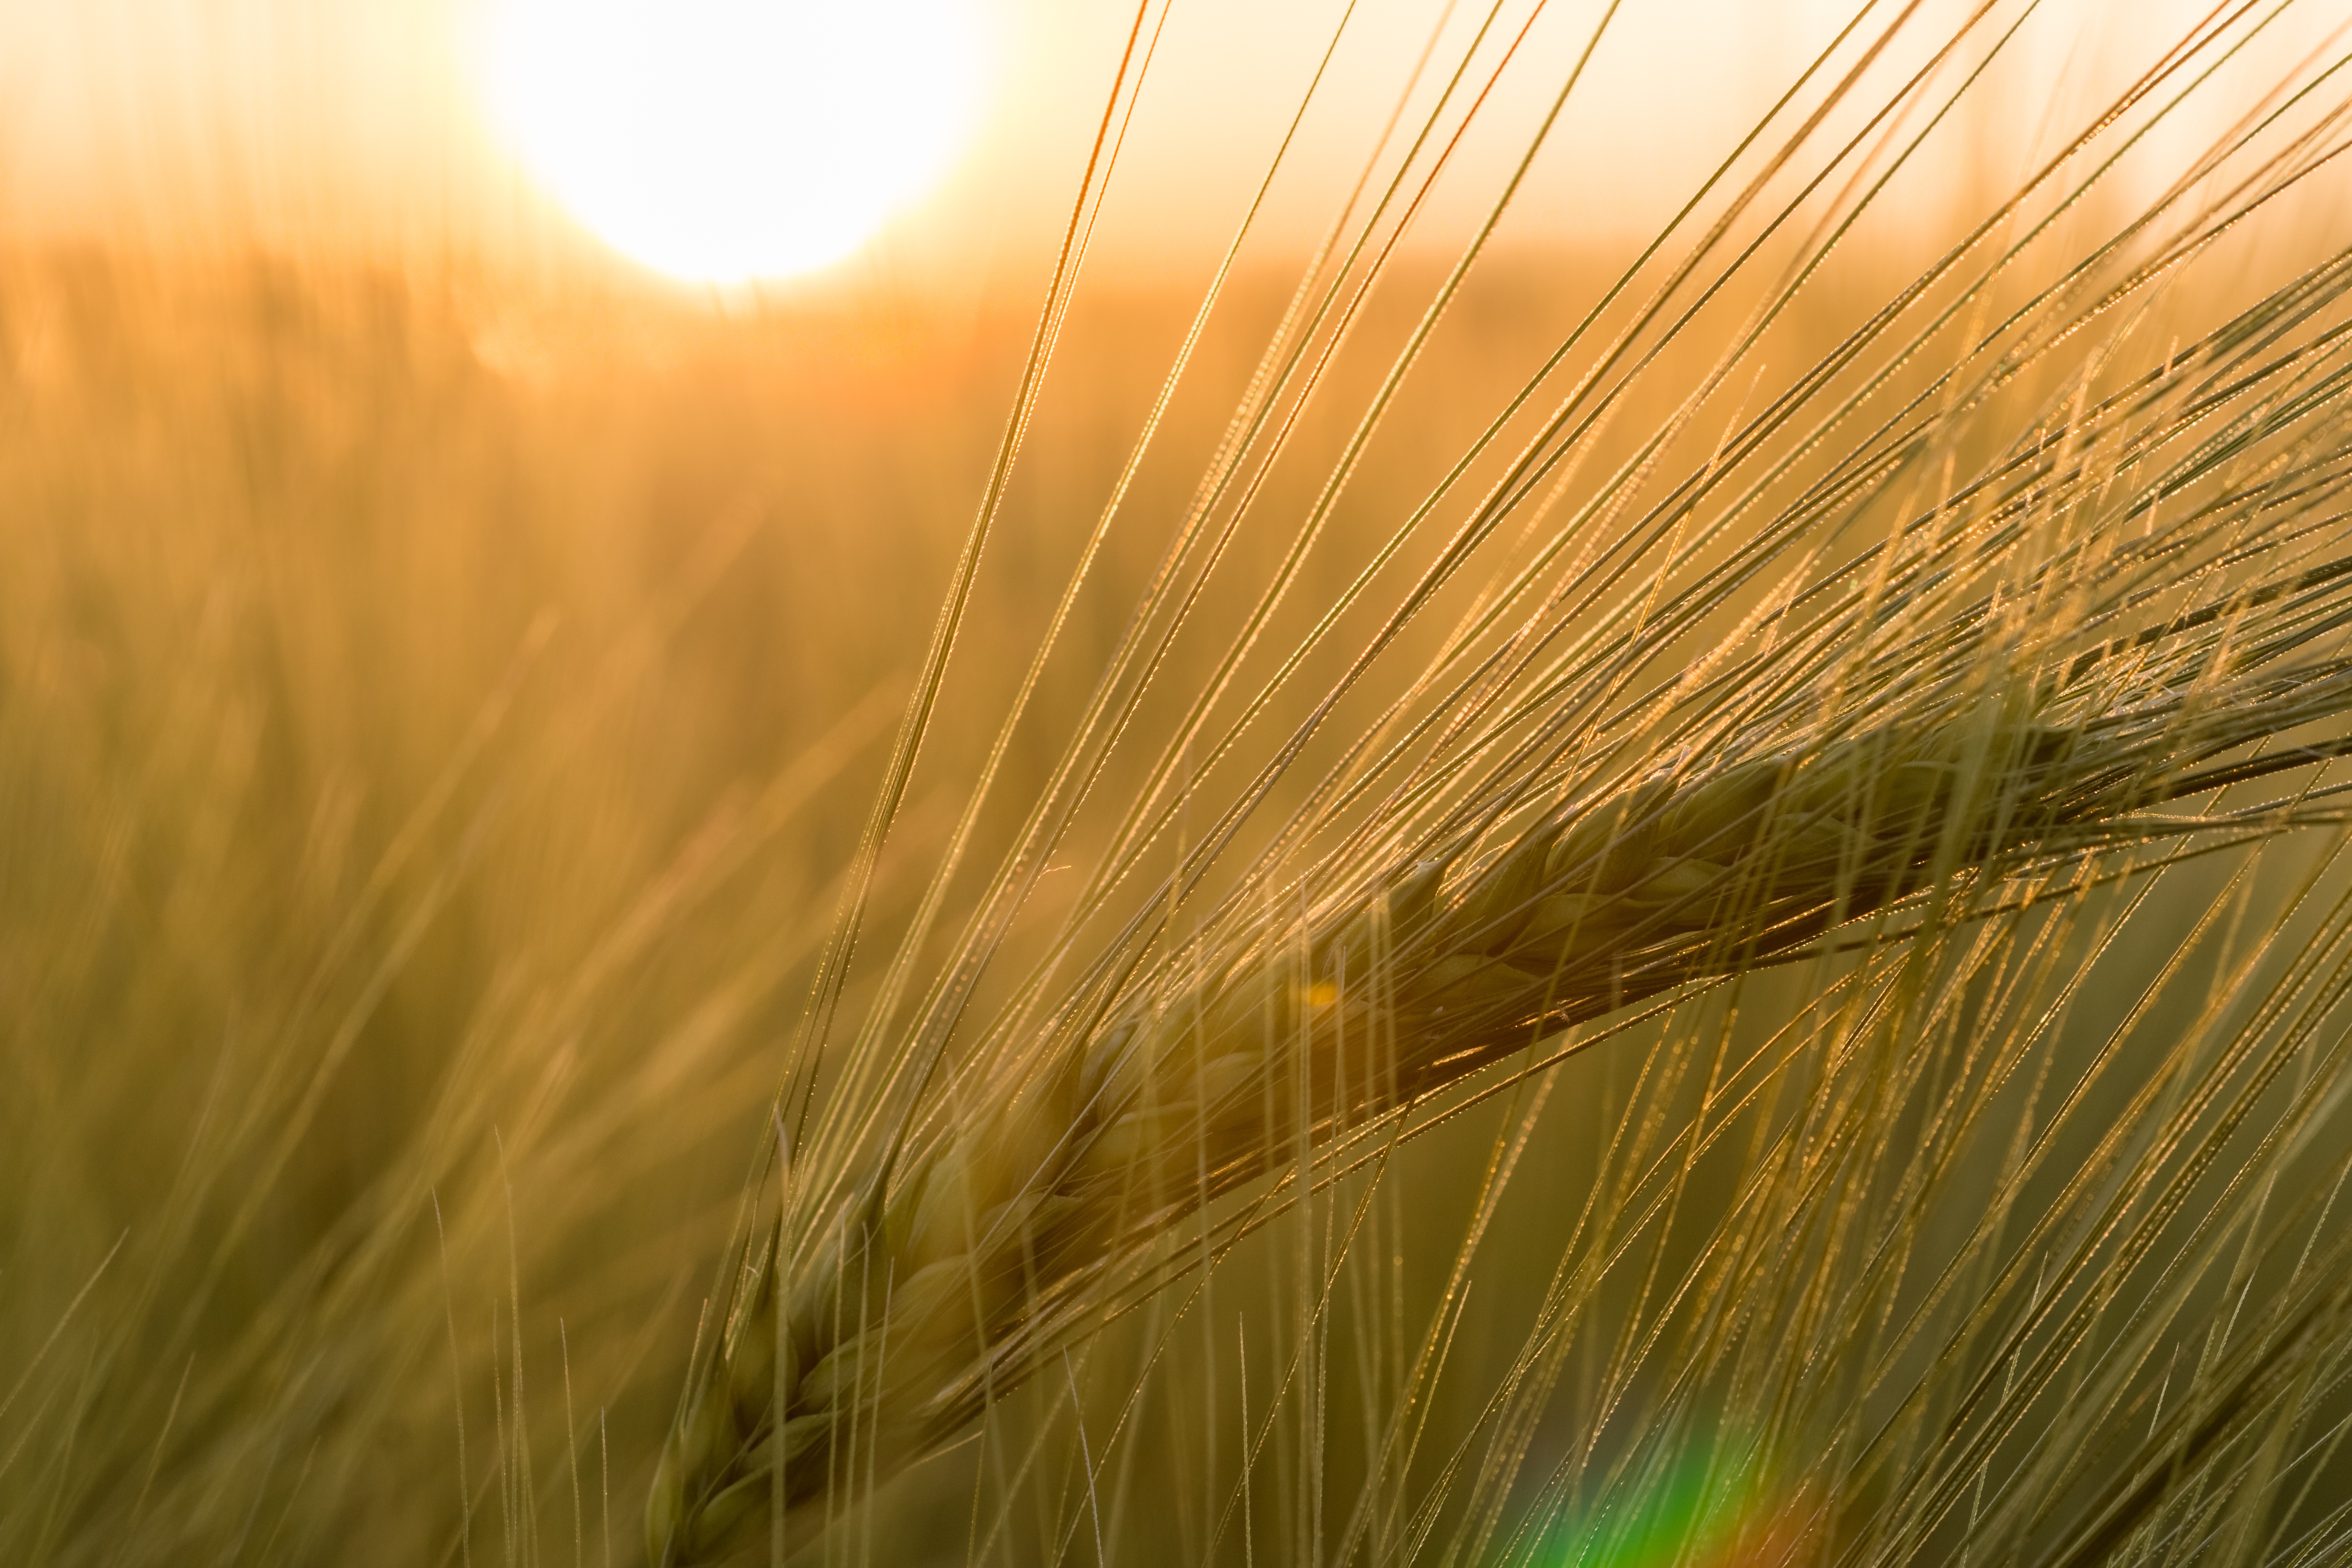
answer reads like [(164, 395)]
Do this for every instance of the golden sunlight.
[(723, 141)]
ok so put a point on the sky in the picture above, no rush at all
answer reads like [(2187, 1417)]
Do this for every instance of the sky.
[(360, 126)]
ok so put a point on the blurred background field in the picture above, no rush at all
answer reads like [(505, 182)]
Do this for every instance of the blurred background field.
[(443, 674), (433, 727)]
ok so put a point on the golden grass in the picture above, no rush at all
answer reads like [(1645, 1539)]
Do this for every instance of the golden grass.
[(1706, 726), (1682, 907)]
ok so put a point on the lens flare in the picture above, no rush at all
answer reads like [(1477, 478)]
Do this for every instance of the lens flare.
[(1697, 1512)]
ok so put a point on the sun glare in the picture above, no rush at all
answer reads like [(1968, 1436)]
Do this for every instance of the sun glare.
[(724, 140)]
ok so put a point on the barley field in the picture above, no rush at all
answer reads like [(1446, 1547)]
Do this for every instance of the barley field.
[(1435, 883)]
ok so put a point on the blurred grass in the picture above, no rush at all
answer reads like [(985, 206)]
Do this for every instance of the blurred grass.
[(433, 716), (434, 719), (400, 757)]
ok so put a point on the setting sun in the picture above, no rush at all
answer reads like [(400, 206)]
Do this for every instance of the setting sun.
[(723, 141)]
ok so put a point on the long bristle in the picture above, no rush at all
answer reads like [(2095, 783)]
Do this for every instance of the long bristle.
[(2021, 685)]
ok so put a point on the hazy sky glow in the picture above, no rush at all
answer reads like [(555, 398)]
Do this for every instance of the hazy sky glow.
[(742, 137)]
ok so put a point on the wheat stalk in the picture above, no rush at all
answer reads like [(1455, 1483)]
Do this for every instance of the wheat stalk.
[(922, 1297), (2003, 689)]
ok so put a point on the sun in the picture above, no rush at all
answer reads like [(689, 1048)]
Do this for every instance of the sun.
[(725, 141)]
